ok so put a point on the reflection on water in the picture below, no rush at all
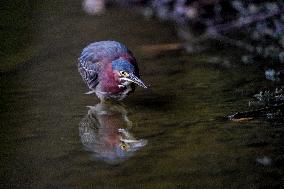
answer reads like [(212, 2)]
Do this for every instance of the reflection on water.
[(42, 103), (104, 132)]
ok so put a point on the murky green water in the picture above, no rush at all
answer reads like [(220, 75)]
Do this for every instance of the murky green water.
[(50, 139)]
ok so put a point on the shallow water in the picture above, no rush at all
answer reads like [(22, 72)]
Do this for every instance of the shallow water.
[(187, 144)]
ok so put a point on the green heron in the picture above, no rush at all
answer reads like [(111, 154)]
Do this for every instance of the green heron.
[(109, 69)]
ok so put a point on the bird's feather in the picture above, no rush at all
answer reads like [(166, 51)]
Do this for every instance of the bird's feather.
[(96, 54)]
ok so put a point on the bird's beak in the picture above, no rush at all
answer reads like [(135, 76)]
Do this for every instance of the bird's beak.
[(136, 80)]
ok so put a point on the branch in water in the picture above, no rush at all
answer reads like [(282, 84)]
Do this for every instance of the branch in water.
[(242, 22), (255, 113)]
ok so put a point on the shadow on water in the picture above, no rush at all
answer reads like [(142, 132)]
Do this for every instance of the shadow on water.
[(106, 133)]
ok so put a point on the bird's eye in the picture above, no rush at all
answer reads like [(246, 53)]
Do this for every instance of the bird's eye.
[(124, 73), (123, 146)]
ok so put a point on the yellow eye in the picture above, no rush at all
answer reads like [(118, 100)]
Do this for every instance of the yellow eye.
[(123, 146), (123, 73)]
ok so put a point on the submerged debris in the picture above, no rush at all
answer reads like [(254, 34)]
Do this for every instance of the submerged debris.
[(243, 119), (265, 161), (268, 105), (268, 98)]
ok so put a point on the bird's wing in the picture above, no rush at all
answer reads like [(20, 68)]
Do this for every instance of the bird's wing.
[(90, 76), (89, 71)]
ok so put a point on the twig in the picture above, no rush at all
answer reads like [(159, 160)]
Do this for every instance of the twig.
[(158, 48), (227, 27), (254, 113)]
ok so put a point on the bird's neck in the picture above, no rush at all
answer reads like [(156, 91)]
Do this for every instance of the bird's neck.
[(109, 80)]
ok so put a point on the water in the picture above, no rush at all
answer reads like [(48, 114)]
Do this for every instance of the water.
[(184, 142)]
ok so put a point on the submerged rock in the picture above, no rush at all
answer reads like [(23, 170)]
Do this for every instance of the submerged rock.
[(266, 161)]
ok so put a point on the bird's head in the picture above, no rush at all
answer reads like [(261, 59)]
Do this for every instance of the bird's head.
[(126, 73)]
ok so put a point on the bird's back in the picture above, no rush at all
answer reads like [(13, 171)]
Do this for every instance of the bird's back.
[(103, 50), (96, 54)]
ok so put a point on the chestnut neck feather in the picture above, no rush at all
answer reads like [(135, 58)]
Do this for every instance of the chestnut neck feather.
[(109, 80)]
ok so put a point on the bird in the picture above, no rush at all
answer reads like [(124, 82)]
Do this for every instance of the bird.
[(109, 69)]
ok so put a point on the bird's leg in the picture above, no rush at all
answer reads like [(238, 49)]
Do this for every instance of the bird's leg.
[(90, 92)]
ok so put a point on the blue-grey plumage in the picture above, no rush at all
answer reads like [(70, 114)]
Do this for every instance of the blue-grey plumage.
[(109, 69)]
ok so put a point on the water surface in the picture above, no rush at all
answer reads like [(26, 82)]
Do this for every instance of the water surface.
[(188, 144)]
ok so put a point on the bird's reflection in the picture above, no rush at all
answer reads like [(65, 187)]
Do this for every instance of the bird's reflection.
[(104, 132)]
